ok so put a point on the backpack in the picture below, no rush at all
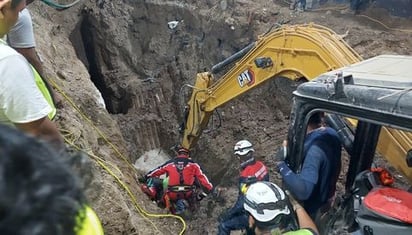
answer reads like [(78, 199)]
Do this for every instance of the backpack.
[(379, 208), (386, 210)]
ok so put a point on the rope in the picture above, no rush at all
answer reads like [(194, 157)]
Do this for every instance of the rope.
[(58, 6), (139, 209), (103, 163), (92, 124)]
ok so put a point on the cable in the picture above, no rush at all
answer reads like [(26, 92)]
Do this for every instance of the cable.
[(139, 209), (102, 162), (91, 123)]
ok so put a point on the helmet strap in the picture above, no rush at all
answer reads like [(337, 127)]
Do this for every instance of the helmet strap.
[(247, 162)]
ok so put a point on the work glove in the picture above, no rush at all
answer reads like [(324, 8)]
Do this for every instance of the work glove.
[(200, 196), (217, 191)]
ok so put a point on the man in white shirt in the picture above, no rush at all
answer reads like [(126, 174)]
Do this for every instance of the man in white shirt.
[(21, 38), (21, 102)]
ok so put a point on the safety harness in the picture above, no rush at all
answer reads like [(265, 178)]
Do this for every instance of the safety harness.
[(182, 188)]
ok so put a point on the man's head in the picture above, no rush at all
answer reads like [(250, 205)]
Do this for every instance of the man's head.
[(40, 194), (9, 13), (268, 206), (244, 151), (315, 121)]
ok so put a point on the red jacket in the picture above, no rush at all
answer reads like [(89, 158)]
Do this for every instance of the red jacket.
[(253, 172), (190, 175), (256, 170), (250, 173)]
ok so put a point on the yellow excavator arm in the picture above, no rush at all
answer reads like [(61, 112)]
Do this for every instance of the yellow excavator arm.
[(295, 52), (300, 51)]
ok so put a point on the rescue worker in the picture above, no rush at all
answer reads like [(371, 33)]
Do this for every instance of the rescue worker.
[(40, 192), (177, 190), (273, 211), (301, 4), (21, 103), (251, 171), (315, 184)]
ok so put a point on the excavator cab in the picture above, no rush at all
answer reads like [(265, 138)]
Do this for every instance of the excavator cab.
[(369, 104)]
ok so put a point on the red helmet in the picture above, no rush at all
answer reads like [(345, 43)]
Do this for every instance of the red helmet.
[(182, 150)]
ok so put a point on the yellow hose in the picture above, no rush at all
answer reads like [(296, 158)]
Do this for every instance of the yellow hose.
[(102, 162)]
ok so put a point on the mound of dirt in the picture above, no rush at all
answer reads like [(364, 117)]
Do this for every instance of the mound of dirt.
[(124, 53)]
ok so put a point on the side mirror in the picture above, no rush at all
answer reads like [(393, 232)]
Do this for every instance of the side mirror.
[(409, 158)]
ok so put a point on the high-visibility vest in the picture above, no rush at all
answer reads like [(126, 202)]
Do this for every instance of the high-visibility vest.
[(45, 91), (88, 223)]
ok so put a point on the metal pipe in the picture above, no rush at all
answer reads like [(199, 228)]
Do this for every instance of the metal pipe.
[(219, 66)]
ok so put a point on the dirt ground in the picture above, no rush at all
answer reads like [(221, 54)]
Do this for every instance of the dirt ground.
[(121, 70)]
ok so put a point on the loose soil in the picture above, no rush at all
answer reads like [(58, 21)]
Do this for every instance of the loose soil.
[(121, 70)]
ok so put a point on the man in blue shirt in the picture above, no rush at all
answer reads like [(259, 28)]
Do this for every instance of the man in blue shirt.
[(315, 184)]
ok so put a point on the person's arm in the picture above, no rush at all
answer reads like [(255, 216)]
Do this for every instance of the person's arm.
[(202, 178), (238, 207), (299, 185), (31, 55), (45, 129), (158, 171), (302, 184), (303, 217), (23, 103)]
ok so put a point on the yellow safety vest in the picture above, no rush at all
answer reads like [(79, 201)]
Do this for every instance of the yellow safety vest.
[(90, 225), (46, 93)]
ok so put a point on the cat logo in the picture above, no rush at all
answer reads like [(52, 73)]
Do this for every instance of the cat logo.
[(246, 78)]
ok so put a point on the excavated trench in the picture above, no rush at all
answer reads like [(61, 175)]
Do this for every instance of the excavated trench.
[(141, 67), (143, 87)]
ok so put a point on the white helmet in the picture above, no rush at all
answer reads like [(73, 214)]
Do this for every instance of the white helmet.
[(265, 201), (243, 147)]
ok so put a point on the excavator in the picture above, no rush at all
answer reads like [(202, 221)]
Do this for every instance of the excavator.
[(296, 52)]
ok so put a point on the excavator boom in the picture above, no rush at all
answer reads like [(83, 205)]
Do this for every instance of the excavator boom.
[(295, 52)]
